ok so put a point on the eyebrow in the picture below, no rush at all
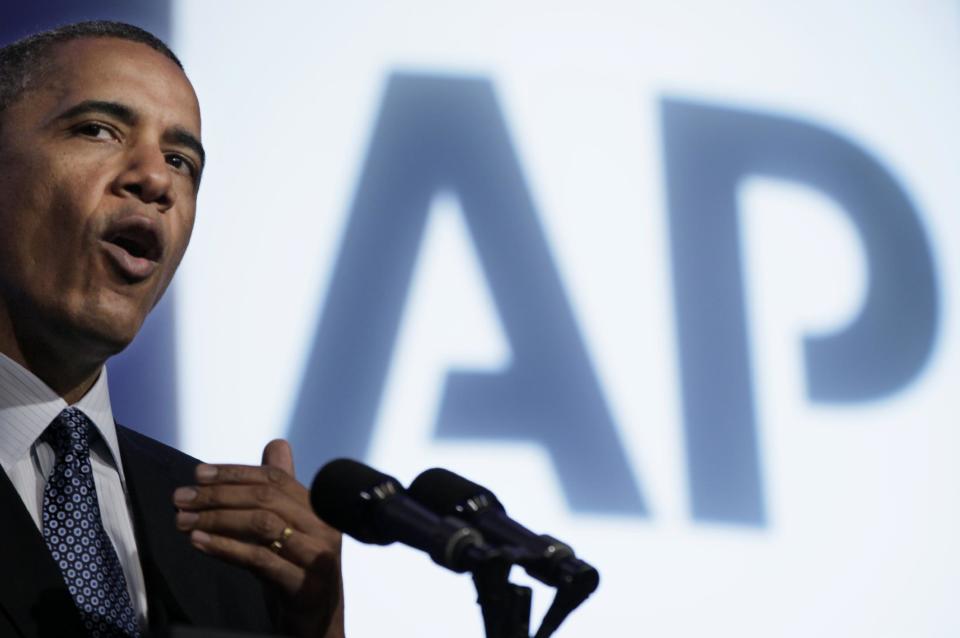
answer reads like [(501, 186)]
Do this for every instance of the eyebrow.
[(183, 137), (177, 135), (114, 109)]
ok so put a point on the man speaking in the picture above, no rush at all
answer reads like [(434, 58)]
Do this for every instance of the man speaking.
[(107, 532)]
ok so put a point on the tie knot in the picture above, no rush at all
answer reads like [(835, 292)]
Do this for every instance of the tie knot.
[(69, 432)]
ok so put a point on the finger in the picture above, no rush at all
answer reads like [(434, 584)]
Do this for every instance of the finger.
[(257, 496), (313, 592), (251, 497), (246, 474), (255, 557), (263, 528), (258, 526), (278, 454), (230, 496)]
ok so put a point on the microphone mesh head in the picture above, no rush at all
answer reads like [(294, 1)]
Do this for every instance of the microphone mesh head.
[(344, 495), (447, 493)]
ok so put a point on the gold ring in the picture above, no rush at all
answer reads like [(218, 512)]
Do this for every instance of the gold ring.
[(277, 545)]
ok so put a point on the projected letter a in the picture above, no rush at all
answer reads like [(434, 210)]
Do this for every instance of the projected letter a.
[(441, 133)]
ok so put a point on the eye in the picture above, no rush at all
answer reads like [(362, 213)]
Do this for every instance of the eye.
[(182, 164), (96, 130)]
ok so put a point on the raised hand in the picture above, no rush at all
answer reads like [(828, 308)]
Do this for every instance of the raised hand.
[(260, 517)]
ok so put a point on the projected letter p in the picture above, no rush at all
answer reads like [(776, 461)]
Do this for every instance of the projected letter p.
[(708, 151)]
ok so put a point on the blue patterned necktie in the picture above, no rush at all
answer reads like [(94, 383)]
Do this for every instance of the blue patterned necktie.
[(74, 532)]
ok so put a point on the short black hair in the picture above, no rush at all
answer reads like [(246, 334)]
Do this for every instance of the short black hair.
[(23, 62)]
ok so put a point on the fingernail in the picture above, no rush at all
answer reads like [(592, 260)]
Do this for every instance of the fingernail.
[(199, 539), (206, 472), (184, 494), (186, 520)]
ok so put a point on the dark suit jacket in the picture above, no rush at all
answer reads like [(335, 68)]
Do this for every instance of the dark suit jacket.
[(184, 586)]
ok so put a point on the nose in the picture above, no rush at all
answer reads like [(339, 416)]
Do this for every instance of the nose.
[(146, 176)]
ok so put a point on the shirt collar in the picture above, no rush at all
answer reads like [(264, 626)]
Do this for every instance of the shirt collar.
[(28, 406)]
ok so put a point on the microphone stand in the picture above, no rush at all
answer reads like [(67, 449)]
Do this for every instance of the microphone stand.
[(505, 606), (567, 599)]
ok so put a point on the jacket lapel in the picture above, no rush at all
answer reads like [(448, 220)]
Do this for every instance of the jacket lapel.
[(32, 591), (179, 588)]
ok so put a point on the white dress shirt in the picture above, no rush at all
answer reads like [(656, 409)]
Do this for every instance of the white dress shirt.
[(27, 407)]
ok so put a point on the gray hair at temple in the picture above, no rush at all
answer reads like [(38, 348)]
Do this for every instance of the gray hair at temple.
[(24, 62)]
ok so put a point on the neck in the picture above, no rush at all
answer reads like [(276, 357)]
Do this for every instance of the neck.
[(66, 369), (71, 385)]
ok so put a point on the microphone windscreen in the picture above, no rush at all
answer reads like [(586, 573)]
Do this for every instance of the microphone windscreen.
[(342, 495), (444, 491)]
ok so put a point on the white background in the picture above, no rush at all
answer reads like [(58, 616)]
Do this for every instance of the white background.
[(864, 514)]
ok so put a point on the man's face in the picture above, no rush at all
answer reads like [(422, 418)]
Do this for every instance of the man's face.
[(99, 169)]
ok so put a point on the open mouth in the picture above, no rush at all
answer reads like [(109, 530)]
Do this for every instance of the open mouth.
[(135, 246), (139, 241)]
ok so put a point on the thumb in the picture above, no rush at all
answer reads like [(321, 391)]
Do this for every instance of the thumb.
[(277, 453)]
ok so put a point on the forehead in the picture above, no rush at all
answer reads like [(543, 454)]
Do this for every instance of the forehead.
[(130, 73)]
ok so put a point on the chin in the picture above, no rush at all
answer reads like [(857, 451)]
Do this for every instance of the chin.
[(108, 327), (117, 333), (117, 338)]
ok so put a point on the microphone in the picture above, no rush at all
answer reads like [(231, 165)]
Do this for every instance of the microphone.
[(372, 507), (543, 557)]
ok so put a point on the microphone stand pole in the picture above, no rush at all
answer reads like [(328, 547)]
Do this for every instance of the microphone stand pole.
[(505, 606)]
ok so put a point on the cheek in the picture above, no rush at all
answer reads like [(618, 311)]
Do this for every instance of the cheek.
[(79, 186), (61, 225), (26, 219), (58, 255), (48, 210), (55, 206)]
